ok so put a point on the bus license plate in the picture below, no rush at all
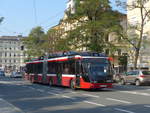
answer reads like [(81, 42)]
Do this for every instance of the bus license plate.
[(103, 85)]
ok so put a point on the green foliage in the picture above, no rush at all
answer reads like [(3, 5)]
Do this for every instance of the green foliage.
[(92, 34), (34, 42)]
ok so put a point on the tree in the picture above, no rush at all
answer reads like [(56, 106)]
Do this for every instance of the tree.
[(34, 42), (54, 41), (95, 20), (136, 31), (1, 19)]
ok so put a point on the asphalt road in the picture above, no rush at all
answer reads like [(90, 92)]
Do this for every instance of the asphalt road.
[(19, 96)]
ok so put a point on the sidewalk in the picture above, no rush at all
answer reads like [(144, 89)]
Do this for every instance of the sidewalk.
[(6, 107)]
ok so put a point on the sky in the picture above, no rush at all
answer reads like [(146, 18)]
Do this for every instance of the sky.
[(23, 15)]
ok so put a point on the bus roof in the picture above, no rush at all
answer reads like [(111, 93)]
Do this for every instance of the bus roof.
[(63, 56)]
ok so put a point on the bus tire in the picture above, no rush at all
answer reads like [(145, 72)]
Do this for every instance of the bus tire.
[(72, 85)]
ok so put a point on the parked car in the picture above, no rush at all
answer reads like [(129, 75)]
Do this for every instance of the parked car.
[(138, 77), (16, 74), (2, 73)]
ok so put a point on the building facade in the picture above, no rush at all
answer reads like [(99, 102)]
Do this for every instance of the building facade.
[(11, 53), (134, 19)]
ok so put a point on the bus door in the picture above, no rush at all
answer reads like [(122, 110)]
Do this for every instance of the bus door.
[(44, 75), (36, 72), (59, 73), (77, 73)]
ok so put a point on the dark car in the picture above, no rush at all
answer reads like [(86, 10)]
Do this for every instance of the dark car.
[(2, 73), (137, 77)]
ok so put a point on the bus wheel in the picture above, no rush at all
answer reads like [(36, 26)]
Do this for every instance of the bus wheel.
[(72, 85), (50, 82)]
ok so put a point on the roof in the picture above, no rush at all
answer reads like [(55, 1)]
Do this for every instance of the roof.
[(11, 38)]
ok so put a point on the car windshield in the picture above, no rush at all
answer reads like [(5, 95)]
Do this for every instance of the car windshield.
[(146, 72)]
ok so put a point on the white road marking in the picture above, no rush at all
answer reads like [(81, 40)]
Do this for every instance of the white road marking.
[(9, 108), (91, 95), (73, 92), (118, 109), (56, 89), (40, 90), (31, 88), (94, 103), (126, 102), (52, 93), (148, 106), (135, 93), (68, 97)]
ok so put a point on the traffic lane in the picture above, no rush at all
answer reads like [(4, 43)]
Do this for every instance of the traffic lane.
[(121, 96), (87, 101), (114, 95), (99, 100), (30, 101)]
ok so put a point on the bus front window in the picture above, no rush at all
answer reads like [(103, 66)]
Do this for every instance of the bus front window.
[(97, 69)]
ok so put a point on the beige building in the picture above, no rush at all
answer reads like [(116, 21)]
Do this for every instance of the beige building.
[(134, 19), (11, 53)]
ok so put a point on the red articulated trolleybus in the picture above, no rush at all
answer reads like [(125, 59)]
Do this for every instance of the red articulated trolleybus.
[(84, 70)]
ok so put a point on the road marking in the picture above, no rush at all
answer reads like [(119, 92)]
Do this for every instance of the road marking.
[(52, 93), (118, 109), (135, 93), (127, 102), (73, 92), (31, 88), (8, 107), (40, 90), (68, 97), (57, 89), (94, 103), (91, 95), (148, 106)]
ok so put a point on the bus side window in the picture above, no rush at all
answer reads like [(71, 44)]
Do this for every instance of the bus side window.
[(78, 68), (52, 68), (66, 68), (72, 67)]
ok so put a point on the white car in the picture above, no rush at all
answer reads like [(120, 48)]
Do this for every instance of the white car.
[(16, 74)]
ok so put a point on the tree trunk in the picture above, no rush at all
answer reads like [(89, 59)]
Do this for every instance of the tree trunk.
[(136, 58), (137, 52)]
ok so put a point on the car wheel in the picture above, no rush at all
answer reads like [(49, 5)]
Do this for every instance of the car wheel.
[(117, 78), (72, 85), (122, 82), (137, 83)]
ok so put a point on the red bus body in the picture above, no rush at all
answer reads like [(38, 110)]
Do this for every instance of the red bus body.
[(40, 71)]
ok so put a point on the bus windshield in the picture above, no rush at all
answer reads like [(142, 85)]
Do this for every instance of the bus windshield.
[(97, 68)]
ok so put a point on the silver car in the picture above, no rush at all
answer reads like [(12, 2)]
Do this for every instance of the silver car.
[(138, 77), (16, 74)]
